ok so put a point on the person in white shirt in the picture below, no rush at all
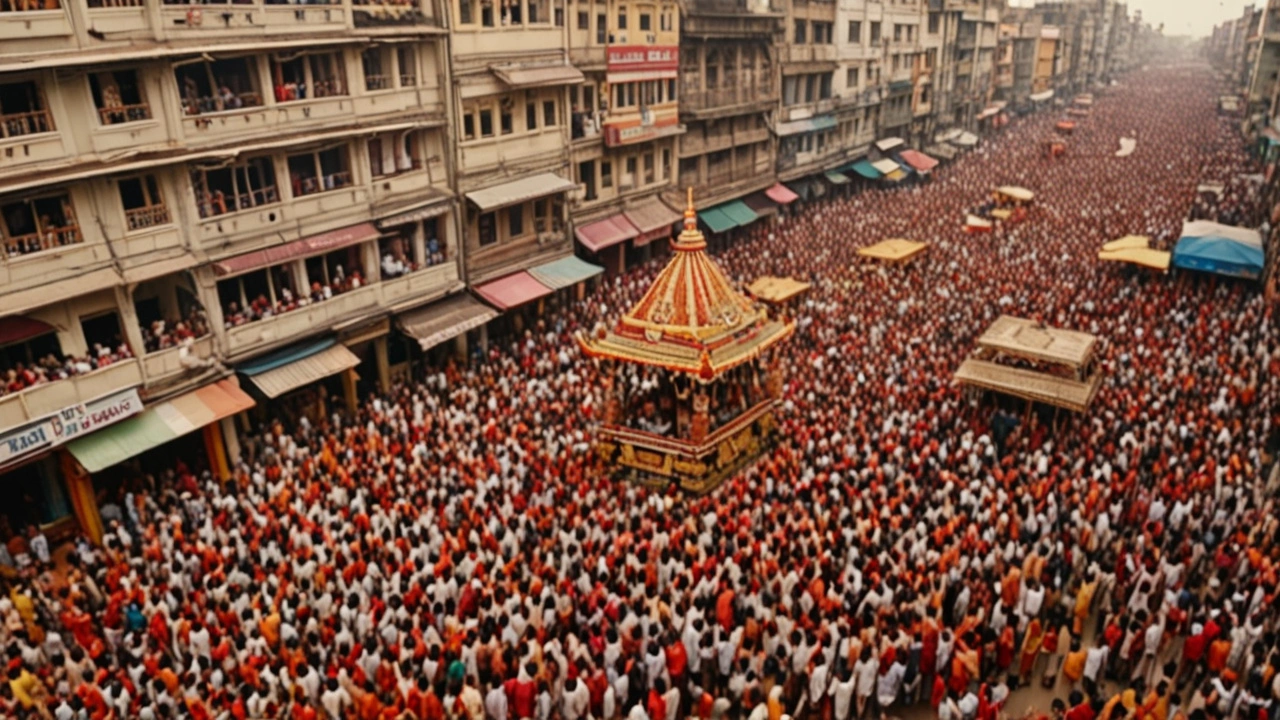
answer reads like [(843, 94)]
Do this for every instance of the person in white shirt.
[(1095, 659), (335, 699), (890, 683), (864, 672), (841, 692)]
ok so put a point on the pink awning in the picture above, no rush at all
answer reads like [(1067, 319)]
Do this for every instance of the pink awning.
[(781, 194), (314, 245), (919, 160), (512, 290), (605, 233)]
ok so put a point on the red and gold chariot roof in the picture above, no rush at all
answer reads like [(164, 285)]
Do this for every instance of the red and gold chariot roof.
[(691, 319)]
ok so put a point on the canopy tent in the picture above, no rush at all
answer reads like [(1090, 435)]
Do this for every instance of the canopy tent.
[(889, 143), (1146, 257), (1017, 193), (836, 178), (863, 168), (973, 223), (965, 139), (1219, 255), (1068, 393), (1127, 146), (919, 160), (777, 289), (946, 152), (1128, 242), (886, 166), (894, 250)]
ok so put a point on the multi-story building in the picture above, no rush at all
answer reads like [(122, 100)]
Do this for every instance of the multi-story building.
[(728, 88), (808, 132), (188, 190), (859, 75), (623, 126), (970, 30)]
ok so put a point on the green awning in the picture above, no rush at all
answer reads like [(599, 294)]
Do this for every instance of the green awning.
[(565, 272), (865, 169), (739, 213), (716, 219), (836, 178)]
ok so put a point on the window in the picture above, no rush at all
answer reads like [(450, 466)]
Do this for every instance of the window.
[(531, 114), (506, 122), (549, 113), (622, 17), (117, 95), (377, 73), (584, 20), (318, 171), (466, 12), (219, 85), (851, 78), (515, 221), (646, 22), (308, 76), (539, 11), (102, 333), (630, 179), (824, 86), (587, 178), (488, 227), (606, 174), (801, 27), (248, 184), (486, 122), (650, 170), (477, 118), (666, 162), (666, 21), (395, 256), (487, 15), (897, 32), (394, 153), (468, 127), (23, 110), (602, 27), (143, 205), (43, 223), (407, 61), (335, 273), (855, 31), (545, 213), (875, 32), (822, 33), (258, 294)]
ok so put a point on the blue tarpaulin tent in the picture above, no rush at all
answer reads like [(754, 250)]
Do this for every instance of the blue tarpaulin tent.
[(1222, 249)]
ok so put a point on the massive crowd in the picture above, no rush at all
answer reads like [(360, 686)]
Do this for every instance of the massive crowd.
[(453, 550)]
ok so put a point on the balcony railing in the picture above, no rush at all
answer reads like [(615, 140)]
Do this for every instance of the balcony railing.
[(408, 80), (377, 82), (17, 6), (100, 4), (121, 114), (212, 104), (312, 185), (147, 217), (49, 239), (219, 203), (27, 123), (47, 398)]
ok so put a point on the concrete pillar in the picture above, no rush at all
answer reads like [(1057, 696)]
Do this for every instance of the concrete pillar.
[(129, 321), (384, 367), (460, 346), (349, 378)]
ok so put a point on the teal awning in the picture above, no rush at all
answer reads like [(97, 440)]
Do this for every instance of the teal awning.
[(739, 213), (824, 122), (864, 168), (836, 178), (285, 357), (716, 219), (565, 272)]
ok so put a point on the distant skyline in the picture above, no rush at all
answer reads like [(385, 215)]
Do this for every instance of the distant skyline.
[(1182, 17)]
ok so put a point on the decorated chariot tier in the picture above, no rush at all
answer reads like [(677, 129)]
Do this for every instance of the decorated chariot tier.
[(690, 386)]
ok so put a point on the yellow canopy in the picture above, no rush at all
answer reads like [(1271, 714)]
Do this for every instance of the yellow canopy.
[(1146, 257), (1128, 242), (776, 289), (1015, 192), (894, 250), (1001, 214)]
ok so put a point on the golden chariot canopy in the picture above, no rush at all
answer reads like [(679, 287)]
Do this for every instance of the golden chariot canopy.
[(691, 320)]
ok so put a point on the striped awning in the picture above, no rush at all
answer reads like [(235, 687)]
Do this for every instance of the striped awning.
[(301, 365), (159, 424)]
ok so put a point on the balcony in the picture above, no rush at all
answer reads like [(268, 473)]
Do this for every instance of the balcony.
[(43, 400), (812, 53), (224, 18), (727, 101), (28, 138), (699, 144), (28, 19), (512, 39), (737, 19), (375, 297), (964, 67), (168, 363)]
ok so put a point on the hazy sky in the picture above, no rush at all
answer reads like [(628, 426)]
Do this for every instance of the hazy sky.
[(1184, 17)]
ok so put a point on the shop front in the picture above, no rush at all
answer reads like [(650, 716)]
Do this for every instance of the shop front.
[(303, 380)]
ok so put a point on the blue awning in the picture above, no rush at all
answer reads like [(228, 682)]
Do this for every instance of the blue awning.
[(716, 220), (284, 357), (863, 168), (1219, 255)]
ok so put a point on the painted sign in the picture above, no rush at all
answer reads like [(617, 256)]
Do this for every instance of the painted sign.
[(67, 423), (630, 58)]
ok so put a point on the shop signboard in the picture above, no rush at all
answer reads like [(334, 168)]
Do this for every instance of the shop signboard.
[(67, 423)]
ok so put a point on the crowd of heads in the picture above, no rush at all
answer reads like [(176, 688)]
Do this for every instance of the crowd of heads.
[(454, 548), (53, 367)]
